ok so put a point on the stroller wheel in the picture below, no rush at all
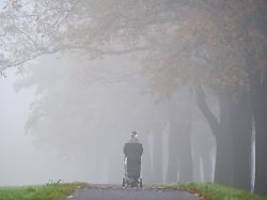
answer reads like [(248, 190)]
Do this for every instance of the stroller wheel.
[(123, 182), (141, 183)]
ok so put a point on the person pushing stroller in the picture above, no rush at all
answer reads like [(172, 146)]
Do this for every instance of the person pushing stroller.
[(133, 151)]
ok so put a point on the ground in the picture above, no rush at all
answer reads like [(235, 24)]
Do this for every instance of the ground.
[(84, 191), (112, 192)]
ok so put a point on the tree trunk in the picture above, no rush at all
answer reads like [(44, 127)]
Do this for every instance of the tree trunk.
[(207, 166), (261, 154), (224, 139), (185, 162), (241, 120), (233, 138), (172, 167), (180, 156), (259, 103), (157, 157), (221, 130), (146, 168)]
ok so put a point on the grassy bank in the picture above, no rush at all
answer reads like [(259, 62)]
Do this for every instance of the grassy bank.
[(216, 192), (47, 192)]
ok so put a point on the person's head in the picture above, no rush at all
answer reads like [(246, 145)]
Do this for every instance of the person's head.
[(133, 134)]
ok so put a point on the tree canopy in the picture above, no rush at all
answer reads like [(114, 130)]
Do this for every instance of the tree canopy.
[(203, 41)]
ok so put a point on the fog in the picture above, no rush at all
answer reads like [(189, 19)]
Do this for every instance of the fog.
[(78, 77), (21, 162), (84, 138)]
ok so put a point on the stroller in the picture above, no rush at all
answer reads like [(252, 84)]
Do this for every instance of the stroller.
[(132, 174)]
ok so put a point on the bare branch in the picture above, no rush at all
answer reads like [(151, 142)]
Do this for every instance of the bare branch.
[(69, 48), (203, 106)]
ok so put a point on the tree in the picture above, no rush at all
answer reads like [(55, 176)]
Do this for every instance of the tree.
[(202, 44), (88, 111)]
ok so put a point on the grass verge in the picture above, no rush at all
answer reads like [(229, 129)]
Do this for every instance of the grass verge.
[(45, 192), (210, 191)]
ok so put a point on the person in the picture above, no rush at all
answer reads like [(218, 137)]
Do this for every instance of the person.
[(133, 151)]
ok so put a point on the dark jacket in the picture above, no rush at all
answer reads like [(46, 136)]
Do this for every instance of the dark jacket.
[(133, 150)]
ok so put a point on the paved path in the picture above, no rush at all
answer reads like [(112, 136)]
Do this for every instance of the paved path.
[(111, 192)]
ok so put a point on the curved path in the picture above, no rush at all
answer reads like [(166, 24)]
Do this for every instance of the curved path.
[(112, 192)]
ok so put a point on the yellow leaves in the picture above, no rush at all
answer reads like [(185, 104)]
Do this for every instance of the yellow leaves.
[(15, 4), (197, 22), (230, 76)]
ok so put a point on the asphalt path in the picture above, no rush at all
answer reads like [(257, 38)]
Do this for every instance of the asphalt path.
[(113, 192)]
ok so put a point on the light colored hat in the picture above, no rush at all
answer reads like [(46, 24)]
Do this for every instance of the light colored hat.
[(134, 133)]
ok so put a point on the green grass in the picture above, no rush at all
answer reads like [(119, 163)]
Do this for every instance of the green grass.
[(216, 192), (45, 192), (60, 191)]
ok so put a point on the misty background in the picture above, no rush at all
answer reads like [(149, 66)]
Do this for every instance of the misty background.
[(79, 76), (83, 137)]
